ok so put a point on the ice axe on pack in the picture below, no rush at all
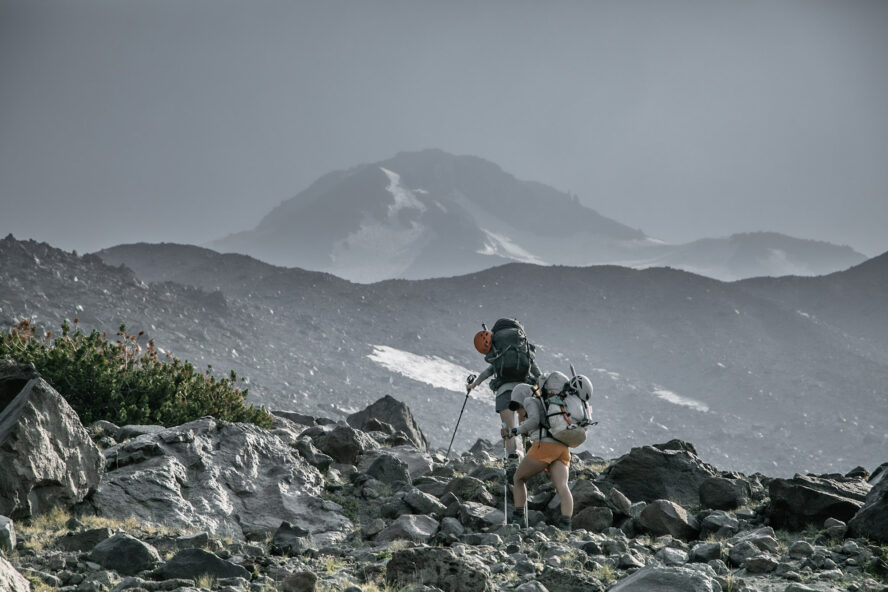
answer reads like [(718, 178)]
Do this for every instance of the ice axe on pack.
[(469, 380)]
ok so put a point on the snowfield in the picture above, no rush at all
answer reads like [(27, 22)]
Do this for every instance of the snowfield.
[(430, 370), (675, 399)]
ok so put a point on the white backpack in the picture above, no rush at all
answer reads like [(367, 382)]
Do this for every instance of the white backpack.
[(564, 416)]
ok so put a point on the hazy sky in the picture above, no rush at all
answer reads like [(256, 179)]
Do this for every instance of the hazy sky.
[(184, 120)]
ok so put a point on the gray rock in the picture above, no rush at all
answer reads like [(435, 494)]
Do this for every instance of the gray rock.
[(672, 557), (720, 524), (470, 489), (424, 503), (389, 469), (232, 479), (432, 566), (193, 563), (668, 471), (531, 586), (393, 412), (7, 535), (705, 552), (618, 502), (419, 463), (10, 579), (291, 540), (83, 541), (411, 527), (483, 538), (125, 554), (452, 526), (475, 515), (801, 550), (344, 443), (667, 579), (740, 552), (47, 459), (585, 495), (297, 418), (760, 564), (130, 432), (665, 517), (871, 520), (312, 455), (568, 580), (593, 519), (630, 560), (763, 538), (303, 581), (807, 500), (719, 493)]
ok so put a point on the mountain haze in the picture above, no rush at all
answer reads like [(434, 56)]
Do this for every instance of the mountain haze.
[(431, 214)]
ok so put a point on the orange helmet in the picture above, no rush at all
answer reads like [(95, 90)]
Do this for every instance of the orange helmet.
[(483, 341)]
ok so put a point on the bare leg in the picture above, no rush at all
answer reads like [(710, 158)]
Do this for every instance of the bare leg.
[(559, 472), (510, 420), (527, 469)]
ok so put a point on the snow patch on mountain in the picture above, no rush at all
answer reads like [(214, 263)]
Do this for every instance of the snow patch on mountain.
[(431, 370), (676, 399), (404, 198), (501, 245)]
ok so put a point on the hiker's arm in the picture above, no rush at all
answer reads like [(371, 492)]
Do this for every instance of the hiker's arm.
[(531, 406), (534, 369), (481, 377)]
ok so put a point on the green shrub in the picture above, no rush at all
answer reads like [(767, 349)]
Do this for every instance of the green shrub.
[(123, 383)]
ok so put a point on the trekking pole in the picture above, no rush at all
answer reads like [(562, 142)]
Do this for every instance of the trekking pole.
[(469, 380), (505, 481)]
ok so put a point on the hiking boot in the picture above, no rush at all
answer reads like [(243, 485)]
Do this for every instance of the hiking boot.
[(564, 523), (516, 516)]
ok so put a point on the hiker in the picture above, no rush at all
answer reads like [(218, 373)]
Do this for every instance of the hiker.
[(511, 359), (546, 453)]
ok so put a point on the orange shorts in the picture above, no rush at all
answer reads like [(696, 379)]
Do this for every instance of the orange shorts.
[(549, 452)]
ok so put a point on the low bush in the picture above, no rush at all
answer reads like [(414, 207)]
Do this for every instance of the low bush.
[(124, 383)]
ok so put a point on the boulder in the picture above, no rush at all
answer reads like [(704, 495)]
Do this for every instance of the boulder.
[(719, 493), (585, 495), (705, 552), (424, 503), (312, 455), (761, 564), (389, 469), (393, 412), (190, 564), (47, 458), (568, 580), (128, 432), (871, 520), (298, 418), (471, 489), (411, 527), (475, 515), (720, 524), (7, 535), (671, 556), (301, 581), (343, 443), (290, 540), (10, 579), (593, 519), (763, 539), (83, 541), (667, 579), (438, 567), (808, 500), (232, 479), (662, 517), (618, 502), (125, 554), (668, 471)]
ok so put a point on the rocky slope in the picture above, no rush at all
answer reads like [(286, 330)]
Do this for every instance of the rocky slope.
[(746, 374), (362, 505)]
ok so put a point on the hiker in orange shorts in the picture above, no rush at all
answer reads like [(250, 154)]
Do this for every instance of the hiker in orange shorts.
[(546, 453)]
